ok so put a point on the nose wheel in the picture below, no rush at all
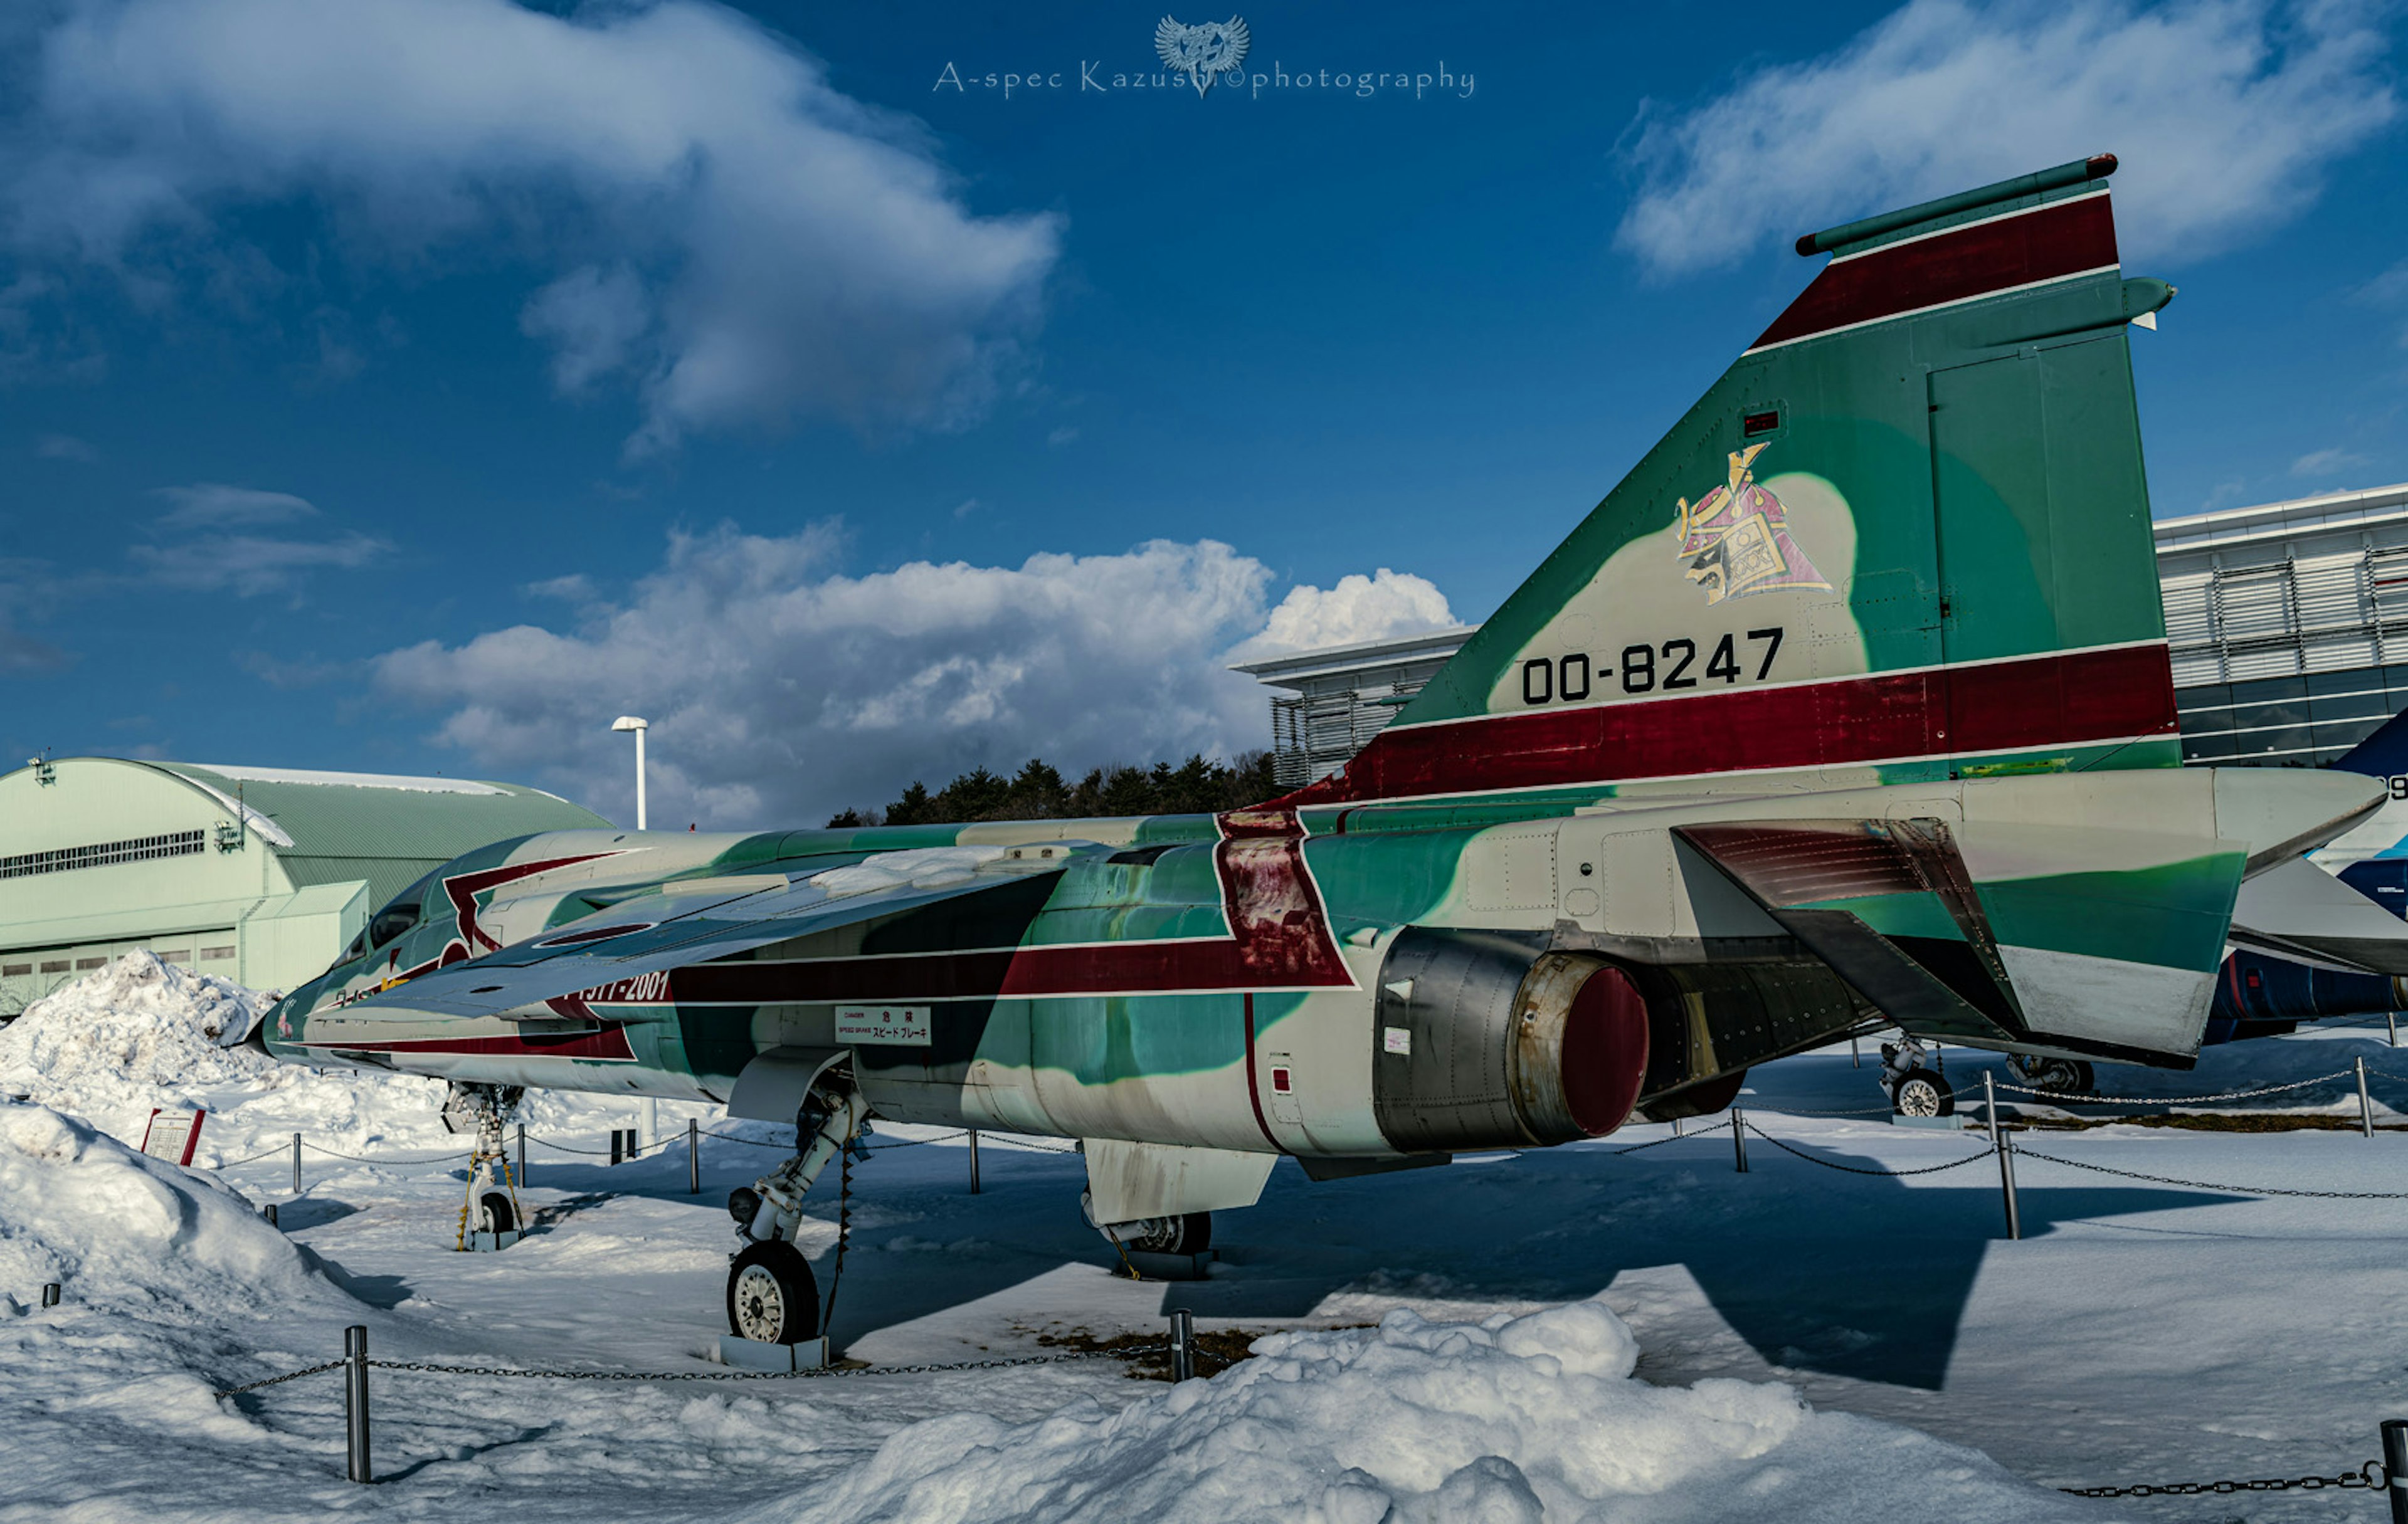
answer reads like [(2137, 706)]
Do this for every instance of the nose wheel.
[(1923, 1092), (772, 1297)]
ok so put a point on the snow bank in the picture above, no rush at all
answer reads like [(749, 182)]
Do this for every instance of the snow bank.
[(133, 1235), (140, 1034), (920, 867), (1507, 1421)]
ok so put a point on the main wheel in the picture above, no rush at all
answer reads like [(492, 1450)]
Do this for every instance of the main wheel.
[(1189, 1233), (1923, 1094), (772, 1297), (494, 1214)]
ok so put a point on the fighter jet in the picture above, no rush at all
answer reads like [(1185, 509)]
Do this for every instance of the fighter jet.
[(1850, 702)]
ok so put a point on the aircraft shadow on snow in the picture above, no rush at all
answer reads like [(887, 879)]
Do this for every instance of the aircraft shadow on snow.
[(1851, 1275)]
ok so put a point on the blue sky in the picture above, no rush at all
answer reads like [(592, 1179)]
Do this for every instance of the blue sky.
[(415, 387)]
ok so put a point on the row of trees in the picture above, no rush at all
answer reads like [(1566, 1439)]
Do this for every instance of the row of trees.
[(1038, 792)]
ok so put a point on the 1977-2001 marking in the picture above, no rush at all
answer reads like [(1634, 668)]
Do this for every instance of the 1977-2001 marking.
[(1645, 668)]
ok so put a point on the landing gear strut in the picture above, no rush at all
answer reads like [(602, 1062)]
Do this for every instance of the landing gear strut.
[(1914, 1090), (772, 1297), (492, 1202)]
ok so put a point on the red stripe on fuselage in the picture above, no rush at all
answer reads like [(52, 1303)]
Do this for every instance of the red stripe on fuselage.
[(1279, 939), (608, 1044), (2055, 239), (2030, 703)]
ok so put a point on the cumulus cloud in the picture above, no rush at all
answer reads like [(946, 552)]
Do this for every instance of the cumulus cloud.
[(214, 504), (780, 688), (716, 224), (2222, 112), (65, 447), (1387, 605)]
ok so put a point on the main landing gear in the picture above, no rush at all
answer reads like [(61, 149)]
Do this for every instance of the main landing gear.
[(1914, 1090), (1187, 1232), (2062, 1077), (772, 1296)]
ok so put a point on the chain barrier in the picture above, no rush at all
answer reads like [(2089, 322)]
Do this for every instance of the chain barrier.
[(1851, 1169), (281, 1149), (370, 1158), (1658, 1143), (2022, 1152), (2182, 1099), (2369, 1476), (289, 1375), (1859, 1111), (433, 1368)]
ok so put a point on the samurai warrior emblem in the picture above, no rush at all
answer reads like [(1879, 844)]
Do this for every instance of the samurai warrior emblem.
[(1204, 51), (1736, 538)]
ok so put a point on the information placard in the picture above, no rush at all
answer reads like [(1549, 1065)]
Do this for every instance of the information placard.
[(903, 1025), (173, 1135)]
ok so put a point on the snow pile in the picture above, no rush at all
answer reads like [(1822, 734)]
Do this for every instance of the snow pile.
[(142, 1033), (1507, 1421), (130, 1235), (920, 867)]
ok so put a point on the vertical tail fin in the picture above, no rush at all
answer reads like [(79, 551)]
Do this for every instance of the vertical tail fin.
[(1906, 536)]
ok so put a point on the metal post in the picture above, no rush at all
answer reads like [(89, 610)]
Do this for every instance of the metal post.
[(617, 1137), (2005, 1148), (522, 1178), (268, 1212), (2365, 1105), (648, 1113), (296, 1163), (1739, 1137), (355, 1399), (2391, 1023), (692, 1156), (1676, 1127), (974, 1175), (1990, 1104), (2395, 1466), (1182, 1345), (1855, 1054), (49, 1293)]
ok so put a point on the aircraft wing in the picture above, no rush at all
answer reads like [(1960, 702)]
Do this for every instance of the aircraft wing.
[(615, 955)]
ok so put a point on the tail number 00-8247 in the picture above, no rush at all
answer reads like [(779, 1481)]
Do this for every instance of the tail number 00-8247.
[(1668, 667)]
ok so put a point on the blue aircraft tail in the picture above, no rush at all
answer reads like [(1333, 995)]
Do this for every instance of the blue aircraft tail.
[(2383, 754)]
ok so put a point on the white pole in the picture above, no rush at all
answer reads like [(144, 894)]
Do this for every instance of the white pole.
[(648, 1115), (641, 824)]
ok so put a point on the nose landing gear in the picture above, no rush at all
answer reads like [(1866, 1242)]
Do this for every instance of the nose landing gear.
[(1914, 1090)]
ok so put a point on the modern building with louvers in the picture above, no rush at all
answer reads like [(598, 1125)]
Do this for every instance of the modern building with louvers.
[(259, 873), (2289, 624)]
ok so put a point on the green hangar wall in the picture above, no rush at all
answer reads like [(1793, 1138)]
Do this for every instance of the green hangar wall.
[(258, 873)]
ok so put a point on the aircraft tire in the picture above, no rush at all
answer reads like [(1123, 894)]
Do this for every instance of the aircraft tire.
[(772, 1297), (1924, 1092), (1188, 1234), (494, 1214)]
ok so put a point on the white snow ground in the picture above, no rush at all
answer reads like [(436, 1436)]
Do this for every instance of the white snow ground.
[(2139, 1333)]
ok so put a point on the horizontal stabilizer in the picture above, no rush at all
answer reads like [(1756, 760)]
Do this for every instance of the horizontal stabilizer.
[(2301, 912)]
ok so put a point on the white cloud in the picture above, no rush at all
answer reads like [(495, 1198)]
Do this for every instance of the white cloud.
[(2222, 112), (65, 447), (249, 565), (215, 504), (781, 690), (2317, 463), (719, 225), (1385, 606)]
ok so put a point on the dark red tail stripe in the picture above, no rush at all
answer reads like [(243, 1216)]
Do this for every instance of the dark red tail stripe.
[(2062, 699), (2056, 239)]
